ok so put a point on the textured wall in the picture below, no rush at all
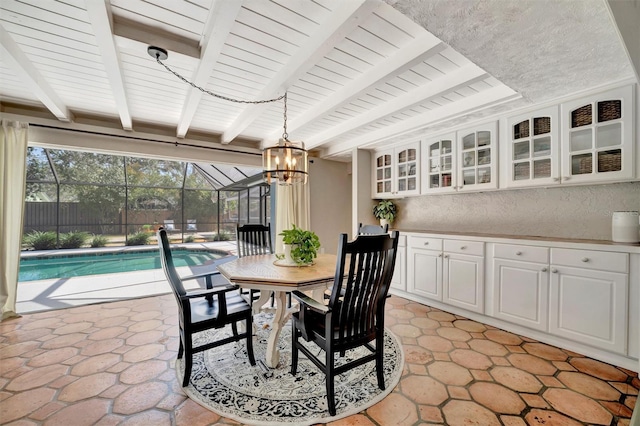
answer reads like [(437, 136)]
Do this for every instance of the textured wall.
[(565, 212)]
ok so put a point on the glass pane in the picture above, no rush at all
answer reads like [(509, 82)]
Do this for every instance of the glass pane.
[(412, 169), (387, 160), (581, 116), (484, 138), (387, 173), (521, 150), (484, 175), (446, 163), (521, 171), (469, 159), (541, 125), (609, 110), (469, 177), (411, 184), (446, 180), (379, 174), (542, 168), (380, 187), (402, 170), (402, 156), (446, 147), (387, 186), (581, 164), (38, 168), (402, 185), (434, 149), (434, 164), (610, 161), (484, 156), (380, 161), (87, 167), (581, 140), (469, 141), (609, 135), (542, 146), (521, 130), (434, 181), (411, 155)]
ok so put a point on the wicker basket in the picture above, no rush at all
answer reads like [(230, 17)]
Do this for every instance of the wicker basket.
[(609, 110), (586, 164), (609, 161), (541, 169), (541, 125), (521, 130), (581, 116)]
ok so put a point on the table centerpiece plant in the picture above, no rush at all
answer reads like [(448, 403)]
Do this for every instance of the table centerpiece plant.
[(301, 246), (385, 211)]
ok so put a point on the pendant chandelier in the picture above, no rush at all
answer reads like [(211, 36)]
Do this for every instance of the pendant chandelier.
[(287, 162)]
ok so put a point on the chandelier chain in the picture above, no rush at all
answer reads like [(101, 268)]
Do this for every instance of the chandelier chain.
[(203, 90), (285, 135)]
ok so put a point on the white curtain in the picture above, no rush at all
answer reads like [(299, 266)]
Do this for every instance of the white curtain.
[(13, 158), (292, 208)]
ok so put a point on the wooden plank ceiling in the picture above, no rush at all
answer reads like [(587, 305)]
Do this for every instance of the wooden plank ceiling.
[(358, 73)]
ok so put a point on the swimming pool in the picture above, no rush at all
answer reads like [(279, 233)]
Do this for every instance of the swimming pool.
[(46, 267)]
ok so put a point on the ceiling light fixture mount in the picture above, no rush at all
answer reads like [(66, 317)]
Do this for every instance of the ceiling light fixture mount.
[(287, 162)]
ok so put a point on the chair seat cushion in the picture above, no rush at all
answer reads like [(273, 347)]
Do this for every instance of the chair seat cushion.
[(201, 311)]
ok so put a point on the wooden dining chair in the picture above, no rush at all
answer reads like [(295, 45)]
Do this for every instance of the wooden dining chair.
[(354, 315), (216, 306)]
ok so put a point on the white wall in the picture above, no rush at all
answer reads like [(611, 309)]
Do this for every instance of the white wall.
[(330, 194), (582, 212)]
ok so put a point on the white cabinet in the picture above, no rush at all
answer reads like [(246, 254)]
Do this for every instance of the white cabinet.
[(399, 279), (521, 285), (531, 155), (597, 137), (477, 158), (588, 297), (424, 267), (396, 172), (450, 271)]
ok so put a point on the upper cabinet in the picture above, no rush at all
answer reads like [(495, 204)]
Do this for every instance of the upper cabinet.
[(531, 153), (461, 162), (597, 136), (396, 172)]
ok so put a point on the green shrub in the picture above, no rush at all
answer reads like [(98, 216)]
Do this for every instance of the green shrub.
[(99, 241), (189, 239), (222, 236), (74, 239), (41, 240), (138, 239)]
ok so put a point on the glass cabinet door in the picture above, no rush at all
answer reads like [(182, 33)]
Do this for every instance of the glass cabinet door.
[(407, 169), (383, 173), (531, 150), (439, 163), (477, 157), (597, 137)]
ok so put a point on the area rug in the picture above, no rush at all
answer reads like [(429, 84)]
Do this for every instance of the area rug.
[(223, 381)]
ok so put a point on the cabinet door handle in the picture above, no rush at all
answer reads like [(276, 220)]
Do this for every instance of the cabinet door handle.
[(440, 255), (518, 253), (585, 259), (427, 243), (556, 179), (544, 269), (566, 178), (554, 270), (446, 256), (463, 247)]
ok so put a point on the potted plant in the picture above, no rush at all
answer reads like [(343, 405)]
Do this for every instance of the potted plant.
[(386, 211), (300, 246)]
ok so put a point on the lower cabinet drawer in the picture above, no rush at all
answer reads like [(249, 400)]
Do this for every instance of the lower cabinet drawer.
[(426, 243), (521, 253), (591, 259), (474, 248)]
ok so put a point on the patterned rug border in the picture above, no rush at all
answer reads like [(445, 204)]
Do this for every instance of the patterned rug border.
[(324, 417)]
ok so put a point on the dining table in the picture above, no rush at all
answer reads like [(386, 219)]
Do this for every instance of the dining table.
[(269, 274)]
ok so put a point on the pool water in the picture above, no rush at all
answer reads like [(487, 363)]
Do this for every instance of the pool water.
[(43, 268)]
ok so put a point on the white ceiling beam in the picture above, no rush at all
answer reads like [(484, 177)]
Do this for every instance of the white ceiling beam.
[(347, 16), (404, 59), (101, 23), (222, 17), (33, 80), (461, 77), (474, 103)]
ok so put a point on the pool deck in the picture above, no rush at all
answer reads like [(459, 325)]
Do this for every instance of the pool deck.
[(59, 293)]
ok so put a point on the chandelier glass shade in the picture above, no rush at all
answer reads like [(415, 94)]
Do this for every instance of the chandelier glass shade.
[(286, 163)]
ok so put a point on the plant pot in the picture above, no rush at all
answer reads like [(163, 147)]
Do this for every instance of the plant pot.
[(384, 222), (288, 260)]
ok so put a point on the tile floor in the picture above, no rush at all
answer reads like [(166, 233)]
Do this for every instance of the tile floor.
[(112, 363)]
